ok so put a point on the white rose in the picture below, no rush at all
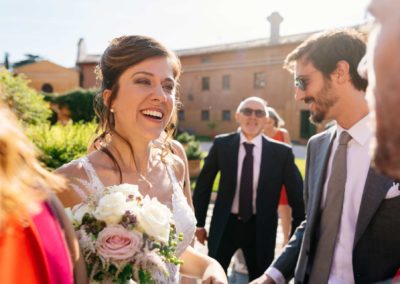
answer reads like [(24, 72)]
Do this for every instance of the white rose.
[(155, 219), (111, 207), (127, 189)]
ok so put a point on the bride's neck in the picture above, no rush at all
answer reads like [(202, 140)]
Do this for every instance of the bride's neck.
[(132, 155)]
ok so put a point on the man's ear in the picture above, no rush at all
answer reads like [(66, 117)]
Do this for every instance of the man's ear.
[(237, 117), (106, 97), (342, 72)]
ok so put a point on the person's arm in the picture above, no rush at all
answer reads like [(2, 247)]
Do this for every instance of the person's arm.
[(294, 190), (203, 267), (202, 191)]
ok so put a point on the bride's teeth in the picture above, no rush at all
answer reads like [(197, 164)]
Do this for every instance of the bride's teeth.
[(153, 113)]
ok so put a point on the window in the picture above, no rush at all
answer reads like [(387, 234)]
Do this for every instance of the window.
[(226, 115), (205, 115), (47, 88), (259, 80), (226, 82), (206, 59), (307, 129), (181, 115), (205, 83)]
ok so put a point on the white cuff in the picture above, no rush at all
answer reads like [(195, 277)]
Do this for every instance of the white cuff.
[(276, 275)]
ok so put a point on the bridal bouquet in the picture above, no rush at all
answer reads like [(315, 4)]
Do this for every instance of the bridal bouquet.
[(125, 236)]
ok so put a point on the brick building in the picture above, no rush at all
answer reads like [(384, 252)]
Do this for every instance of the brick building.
[(49, 77)]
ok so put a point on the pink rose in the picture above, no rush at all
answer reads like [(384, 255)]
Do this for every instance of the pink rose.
[(115, 242)]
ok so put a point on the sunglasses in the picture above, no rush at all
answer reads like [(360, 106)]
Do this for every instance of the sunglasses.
[(301, 84), (257, 112)]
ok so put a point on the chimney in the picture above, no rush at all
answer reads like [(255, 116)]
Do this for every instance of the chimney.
[(275, 20), (81, 50)]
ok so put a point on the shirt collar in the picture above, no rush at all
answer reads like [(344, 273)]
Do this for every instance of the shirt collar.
[(257, 141), (360, 132)]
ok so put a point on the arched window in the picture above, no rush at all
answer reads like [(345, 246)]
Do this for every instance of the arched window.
[(47, 88)]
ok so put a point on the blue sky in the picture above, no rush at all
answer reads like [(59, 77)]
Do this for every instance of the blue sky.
[(52, 28)]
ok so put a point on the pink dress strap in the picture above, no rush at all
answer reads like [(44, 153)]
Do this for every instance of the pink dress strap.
[(55, 247)]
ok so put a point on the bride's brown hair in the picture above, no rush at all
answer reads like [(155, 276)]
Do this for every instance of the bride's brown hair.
[(122, 53)]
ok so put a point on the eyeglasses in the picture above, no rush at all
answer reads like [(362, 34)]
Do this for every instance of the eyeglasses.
[(249, 111)]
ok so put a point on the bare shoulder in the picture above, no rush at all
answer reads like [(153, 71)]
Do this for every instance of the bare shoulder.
[(179, 159), (178, 149)]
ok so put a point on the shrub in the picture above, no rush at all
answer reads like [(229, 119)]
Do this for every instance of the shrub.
[(61, 144), (191, 145), (193, 151), (79, 102), (27, 104)]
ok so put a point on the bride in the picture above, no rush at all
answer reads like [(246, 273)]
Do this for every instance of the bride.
[(137, 100)]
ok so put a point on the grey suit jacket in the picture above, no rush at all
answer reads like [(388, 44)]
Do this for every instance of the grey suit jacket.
[(376, 250)]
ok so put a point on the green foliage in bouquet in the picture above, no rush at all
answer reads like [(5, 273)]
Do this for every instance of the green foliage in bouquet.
[(61, 144), (27, 104)]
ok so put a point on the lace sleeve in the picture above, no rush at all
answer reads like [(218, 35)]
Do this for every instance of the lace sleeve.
[(85, 182)]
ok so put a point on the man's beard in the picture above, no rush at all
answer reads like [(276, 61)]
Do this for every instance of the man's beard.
[(323, 101)]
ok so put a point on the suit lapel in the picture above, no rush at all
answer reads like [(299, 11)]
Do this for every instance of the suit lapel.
[(266, 164), (376, 187), (322, 154), (232, 157)]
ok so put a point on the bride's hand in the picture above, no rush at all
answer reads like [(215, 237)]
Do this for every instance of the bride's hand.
[(214, 274)]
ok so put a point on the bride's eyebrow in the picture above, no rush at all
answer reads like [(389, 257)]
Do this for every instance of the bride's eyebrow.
[(168, 79), (142, 73)]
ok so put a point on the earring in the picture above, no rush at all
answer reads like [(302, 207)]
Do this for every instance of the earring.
[(112, 110)]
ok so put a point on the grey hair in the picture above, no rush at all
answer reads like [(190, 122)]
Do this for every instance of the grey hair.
[(279, 122), (253, 99)]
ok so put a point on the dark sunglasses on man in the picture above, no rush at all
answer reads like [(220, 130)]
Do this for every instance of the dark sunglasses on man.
[(300, 83), (249, 111)]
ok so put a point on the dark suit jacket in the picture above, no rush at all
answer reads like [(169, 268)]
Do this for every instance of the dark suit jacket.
[(277, 168), (376, 251)]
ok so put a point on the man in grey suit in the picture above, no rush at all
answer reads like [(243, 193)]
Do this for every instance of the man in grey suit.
[(352, 226)]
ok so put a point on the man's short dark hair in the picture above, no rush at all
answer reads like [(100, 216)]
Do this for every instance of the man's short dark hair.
[(324, 50)]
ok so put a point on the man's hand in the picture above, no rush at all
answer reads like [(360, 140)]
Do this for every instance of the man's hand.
[(263, 279), (201, 235)]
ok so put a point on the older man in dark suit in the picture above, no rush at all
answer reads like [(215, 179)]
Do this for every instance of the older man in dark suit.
[(352, 226), (253, 169)]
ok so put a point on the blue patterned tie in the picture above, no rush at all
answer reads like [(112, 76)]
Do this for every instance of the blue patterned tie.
[(246, 184)]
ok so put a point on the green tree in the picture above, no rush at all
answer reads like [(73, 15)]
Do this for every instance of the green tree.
[(27, 104), (79, 102)]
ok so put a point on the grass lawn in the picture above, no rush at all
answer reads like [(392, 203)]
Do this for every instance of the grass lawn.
[(301, 164)]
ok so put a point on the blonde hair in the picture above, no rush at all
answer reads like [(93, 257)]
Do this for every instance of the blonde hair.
[(23, 181)]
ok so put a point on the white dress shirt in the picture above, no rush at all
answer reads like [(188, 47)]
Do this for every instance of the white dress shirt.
[(257, 150), (358, 163)]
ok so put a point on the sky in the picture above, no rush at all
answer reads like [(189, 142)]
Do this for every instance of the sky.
[(52, 28)]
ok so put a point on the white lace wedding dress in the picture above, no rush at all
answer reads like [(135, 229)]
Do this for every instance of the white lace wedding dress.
[(183, 215)]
